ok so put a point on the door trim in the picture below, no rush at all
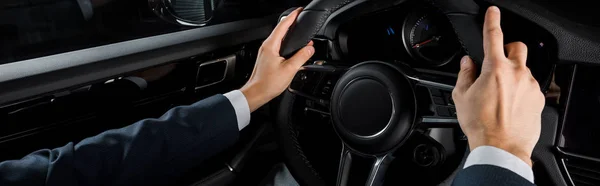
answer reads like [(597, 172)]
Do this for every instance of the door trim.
[(27, 78)]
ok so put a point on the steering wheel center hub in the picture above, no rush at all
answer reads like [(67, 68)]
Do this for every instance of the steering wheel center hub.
[(366, 107), (373, 107)]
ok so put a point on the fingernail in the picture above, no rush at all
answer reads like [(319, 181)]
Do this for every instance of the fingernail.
[(494, 8), (311, 50), (464, 60)]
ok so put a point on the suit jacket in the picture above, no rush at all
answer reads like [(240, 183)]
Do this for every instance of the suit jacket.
[(148, 152), (489, 175)]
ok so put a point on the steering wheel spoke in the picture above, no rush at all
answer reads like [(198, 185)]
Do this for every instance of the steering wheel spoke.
[(378, 170), (437, 122), (436, 107), (316, 81), (344, 167), (376, 174)]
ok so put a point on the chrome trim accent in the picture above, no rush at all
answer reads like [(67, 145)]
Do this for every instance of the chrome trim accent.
[(439, 120), (431, 83), (315, 110), (344, 166), (377, 174), (229, 167), (568, 175), (160, 9), (575, 155), (228, 73)]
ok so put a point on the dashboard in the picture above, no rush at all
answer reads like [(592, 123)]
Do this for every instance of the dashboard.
[(419, 36), (562, 56)]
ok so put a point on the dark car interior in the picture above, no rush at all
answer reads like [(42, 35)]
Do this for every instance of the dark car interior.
[(64, 78)]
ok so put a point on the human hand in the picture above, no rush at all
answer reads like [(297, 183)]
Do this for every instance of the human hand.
[(272, 73), (503, 106)]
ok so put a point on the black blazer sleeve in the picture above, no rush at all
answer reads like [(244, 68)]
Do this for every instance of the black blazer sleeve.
[(149, 152), (489, 175)]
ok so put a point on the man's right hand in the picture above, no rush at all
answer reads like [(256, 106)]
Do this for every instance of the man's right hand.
[(272, 73), (503, 106)]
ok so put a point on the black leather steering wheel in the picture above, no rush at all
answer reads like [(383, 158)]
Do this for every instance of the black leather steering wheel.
[(373, 104)]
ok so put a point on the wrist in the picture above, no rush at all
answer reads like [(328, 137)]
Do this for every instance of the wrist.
[(255, 96)]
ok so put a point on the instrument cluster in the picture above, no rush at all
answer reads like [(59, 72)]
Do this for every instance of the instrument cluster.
[(418, 35), (429, 38)]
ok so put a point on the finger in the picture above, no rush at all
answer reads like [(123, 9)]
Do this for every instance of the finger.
[(493, 41), (283, 26), (296, 61), (466, 75), (281, 29), (517, 53)]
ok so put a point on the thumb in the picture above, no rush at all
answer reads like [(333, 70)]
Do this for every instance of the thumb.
[(296, 61), (466, 76)]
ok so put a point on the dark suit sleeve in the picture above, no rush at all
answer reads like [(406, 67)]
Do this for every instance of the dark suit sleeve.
[(149, 152), (489, 175)]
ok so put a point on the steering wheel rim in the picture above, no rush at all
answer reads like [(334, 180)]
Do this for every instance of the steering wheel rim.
[(462, 15)]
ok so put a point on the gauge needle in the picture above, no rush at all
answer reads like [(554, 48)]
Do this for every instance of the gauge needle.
[(434, 38)]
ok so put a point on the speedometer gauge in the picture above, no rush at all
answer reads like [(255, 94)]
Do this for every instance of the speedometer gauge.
[(430, 39)]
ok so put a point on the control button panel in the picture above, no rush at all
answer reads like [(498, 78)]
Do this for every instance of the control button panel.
[(442, 103)]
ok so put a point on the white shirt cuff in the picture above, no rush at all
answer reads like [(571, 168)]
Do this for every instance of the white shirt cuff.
[(240, 105), (488, 155)]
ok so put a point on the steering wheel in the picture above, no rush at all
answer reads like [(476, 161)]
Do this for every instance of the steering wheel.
[(373, 105)]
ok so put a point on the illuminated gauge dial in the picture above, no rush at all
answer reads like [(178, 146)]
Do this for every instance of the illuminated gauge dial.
[(430, 39)]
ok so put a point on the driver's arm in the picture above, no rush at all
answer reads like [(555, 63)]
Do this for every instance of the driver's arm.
[(157, 151), (499, 111)]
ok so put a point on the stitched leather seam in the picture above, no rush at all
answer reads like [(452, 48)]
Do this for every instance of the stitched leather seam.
[(294, 137), (324, 17)]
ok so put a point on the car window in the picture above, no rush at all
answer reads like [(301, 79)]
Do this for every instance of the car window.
[(36, 28)]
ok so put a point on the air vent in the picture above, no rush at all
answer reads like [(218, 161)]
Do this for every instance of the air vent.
[(583, 172)]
